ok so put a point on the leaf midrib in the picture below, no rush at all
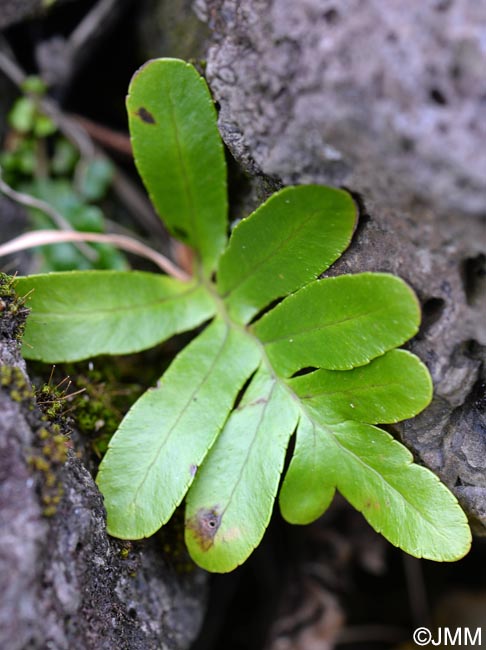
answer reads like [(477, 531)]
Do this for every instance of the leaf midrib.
[(183, 165), (113, 310), (284, 243), (358, 389), (182, 412), (250, 447), (324, 326), (318, 425), (344, 449)]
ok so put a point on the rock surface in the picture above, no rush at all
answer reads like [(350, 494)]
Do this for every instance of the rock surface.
[(387, 100), (64, 582)]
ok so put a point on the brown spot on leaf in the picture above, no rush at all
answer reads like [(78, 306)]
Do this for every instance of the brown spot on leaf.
[(372, 505), (260, 400), (255, 402), (145, 115), (204, 526)]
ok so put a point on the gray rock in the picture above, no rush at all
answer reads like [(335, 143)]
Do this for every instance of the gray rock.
[(385, 98), (22, 531), (388, 100), (64, 583)]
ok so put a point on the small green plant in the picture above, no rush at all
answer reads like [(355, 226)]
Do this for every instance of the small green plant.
[(39, 162), (319, 364)]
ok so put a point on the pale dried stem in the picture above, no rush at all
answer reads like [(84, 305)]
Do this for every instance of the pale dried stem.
[(44, 237), (32, 202)]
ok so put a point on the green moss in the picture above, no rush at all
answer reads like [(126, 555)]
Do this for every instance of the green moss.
[(50, 446), (101, 405), (49, 453), (7, 286), (95, 400), (13, 311), (126, 547), (14, 381)]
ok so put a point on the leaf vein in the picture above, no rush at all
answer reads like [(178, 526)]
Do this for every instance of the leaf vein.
[(243, 465), (352, 390), (283, 243), (182, 161), (179, 417), (111, 310), (324, 326), (382, 477)]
